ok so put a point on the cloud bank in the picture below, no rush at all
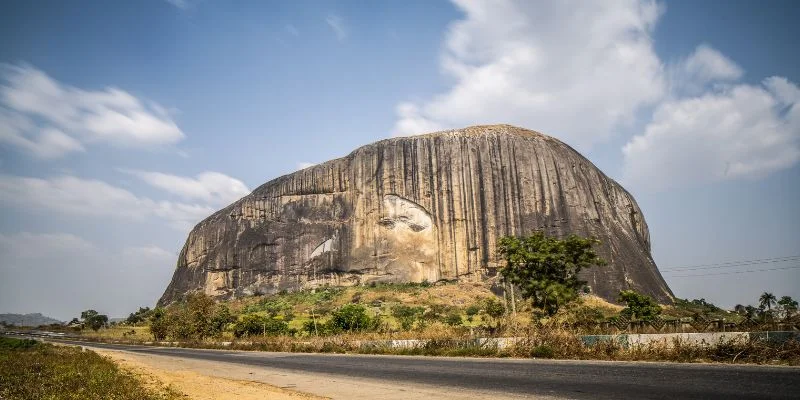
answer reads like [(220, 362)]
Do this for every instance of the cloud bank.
[(588, 71)]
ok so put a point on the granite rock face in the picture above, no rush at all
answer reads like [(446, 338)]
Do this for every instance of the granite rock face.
[(428, 207)]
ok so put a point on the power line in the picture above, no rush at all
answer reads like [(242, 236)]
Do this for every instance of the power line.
[(731, 264), (736, 272)]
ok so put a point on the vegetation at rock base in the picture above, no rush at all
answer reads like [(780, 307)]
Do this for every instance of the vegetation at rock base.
[(32, 370), (195, 318), (546, 268), (449, 317)]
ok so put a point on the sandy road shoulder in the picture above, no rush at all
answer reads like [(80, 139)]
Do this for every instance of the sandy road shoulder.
[(196, 385)]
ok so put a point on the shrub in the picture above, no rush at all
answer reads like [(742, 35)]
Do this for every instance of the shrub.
[(255, 325), (640, 306), (407, 315), (351, 318), (493, 308), (453, 319), (543, 351)]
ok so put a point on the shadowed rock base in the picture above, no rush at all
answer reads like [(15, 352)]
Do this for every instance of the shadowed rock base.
[(427, 207)]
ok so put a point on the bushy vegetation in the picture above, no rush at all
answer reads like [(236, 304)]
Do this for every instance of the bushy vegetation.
[(449, 316), (32, 370)]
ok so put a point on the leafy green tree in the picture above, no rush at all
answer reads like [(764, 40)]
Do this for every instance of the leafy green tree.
[(767, 300), (94, 320), (546, 268), (639, 306), (407, 315), (351, 318)]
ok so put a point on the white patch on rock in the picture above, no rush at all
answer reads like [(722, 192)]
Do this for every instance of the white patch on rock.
[(398, 211), (324, 247)]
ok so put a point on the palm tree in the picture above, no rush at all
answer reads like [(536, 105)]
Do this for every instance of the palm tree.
[(767, 300)]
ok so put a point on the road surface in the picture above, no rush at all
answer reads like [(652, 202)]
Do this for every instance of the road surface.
[(435, 377)]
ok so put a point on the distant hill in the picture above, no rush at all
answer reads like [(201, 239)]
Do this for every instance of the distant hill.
[(34, 319)]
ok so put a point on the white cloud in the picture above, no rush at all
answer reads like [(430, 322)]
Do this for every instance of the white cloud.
[(151, 253), (63, 274), (738, 131), (47, 143), (304, 165), (336, 23), (68, 114), (29, 246), (582, 71), (181, 4), (210, 187), (576, 70), (704, 66), (70, 195), (292, 30)]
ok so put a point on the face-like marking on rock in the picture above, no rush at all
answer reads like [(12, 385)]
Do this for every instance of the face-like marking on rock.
[(409, 239), (399, 212)]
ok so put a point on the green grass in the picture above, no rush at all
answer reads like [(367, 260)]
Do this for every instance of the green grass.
[(32, 370)]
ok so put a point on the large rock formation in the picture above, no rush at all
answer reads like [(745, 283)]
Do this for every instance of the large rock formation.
[(418, 208)]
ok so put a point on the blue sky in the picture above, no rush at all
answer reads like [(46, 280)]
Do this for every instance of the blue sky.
[(124, 123)]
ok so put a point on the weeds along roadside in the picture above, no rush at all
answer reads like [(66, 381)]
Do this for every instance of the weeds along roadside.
[(528, 342)]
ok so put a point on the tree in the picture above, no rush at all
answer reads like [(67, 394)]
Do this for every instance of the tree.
[(221, 318), (93, 319), (750, 312), (788, 306), (159, 326), (767, 300), (639, 306), (139, 316), (546, 268)]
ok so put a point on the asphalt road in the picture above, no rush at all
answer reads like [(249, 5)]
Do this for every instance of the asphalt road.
[(567, 379)]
